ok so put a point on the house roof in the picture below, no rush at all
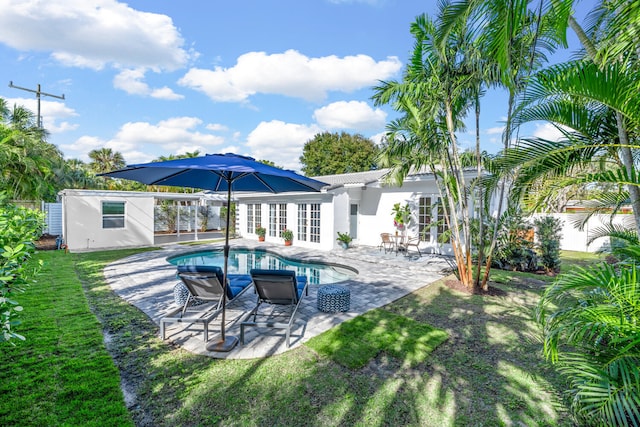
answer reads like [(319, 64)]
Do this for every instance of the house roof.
[(352, 179), (200, 195)]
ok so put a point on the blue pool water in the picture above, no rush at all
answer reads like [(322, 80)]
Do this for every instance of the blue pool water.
[(243, 260)]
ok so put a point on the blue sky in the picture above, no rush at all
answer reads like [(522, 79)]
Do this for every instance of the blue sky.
[(255, 77)]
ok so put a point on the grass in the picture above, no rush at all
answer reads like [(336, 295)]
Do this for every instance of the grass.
[(62, 373), (488, 372), (355, 342)]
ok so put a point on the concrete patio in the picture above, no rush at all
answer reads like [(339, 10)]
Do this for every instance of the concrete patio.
[(146, 280)]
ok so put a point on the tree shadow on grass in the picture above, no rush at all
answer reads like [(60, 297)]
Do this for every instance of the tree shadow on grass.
[(487, 373)]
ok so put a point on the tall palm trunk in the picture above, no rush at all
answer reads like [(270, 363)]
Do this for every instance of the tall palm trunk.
[(481, 193), (465, 267), (503, 186)]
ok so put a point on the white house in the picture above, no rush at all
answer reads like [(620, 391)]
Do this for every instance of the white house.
[(357, 203), (100, 219)]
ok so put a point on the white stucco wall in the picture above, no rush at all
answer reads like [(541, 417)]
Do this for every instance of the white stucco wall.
[(375, 215), (574, 239), (341, 205), (82, 227)]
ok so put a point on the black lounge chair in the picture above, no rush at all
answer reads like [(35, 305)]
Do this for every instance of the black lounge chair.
[(281, 289), (204, 282)]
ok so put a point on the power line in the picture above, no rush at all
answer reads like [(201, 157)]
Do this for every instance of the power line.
[(38, 93)]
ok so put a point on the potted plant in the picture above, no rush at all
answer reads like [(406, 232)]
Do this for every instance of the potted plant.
[(344, 239), (261, 232), (287, 235), (401, 216)]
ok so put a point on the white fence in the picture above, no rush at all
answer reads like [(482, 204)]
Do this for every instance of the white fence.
[(575, 239), (53, 218)]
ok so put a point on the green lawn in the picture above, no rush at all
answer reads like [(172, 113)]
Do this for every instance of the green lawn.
[(435, 357)]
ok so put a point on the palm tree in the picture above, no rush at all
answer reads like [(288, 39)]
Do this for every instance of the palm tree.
[(597, 98), (590, 329), (105, 160), (514, 38), (27, 161), (474, 45), (78, 174), (434, 95)]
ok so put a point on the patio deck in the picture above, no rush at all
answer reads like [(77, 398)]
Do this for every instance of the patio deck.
[(146, 280)]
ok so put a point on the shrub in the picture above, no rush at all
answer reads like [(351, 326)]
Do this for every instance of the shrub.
[(344, 238), (514, 250), (20, 228), (548, 231), (589, 321)]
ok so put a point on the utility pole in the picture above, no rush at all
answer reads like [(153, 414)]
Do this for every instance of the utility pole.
[(38, 93)]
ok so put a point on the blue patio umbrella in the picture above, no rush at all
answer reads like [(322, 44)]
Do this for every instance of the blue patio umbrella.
[(220, 173)]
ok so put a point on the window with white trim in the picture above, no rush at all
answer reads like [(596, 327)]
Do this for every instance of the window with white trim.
[(302, 222), (273, 220), (257, 215), (112, 214), (442, 224), (282, 220), (314, 228), (424, 218), (251, 227)]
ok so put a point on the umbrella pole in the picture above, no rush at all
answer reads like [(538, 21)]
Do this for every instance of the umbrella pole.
[(226, 343)]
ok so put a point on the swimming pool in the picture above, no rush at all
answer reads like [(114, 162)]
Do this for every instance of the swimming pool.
[(242, 260)]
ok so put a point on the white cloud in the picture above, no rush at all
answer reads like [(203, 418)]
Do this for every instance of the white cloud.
[(136, 140), (53, 113), (280, 142), (165, 93), (350, 115), (93, 33), (378, 138), (548, 131), (291, 74), (132, 82), (171, 134), (216, 127), (82, 146), (54, 127), (495, 130)]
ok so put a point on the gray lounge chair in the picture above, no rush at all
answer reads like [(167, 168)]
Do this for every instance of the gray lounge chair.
[(205, 284), (280, 289)]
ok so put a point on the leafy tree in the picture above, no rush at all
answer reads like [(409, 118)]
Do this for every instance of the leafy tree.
[(28, 163), (333, 153), (20, 228), (270, 163)]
